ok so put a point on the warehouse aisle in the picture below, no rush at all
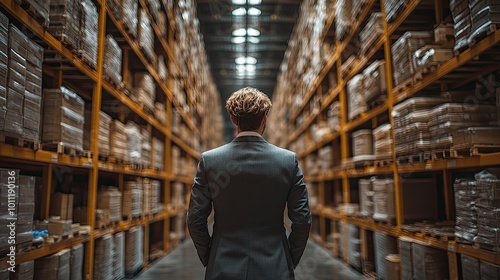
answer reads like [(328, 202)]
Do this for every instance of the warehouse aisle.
[(183, 264)]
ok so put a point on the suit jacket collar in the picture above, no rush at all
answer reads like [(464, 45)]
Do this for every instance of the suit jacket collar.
[(250, 138)]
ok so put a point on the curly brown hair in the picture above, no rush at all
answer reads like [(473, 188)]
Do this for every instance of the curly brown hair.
[(248, 106)]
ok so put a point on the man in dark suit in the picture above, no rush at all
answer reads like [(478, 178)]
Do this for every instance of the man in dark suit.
[(249, 182)]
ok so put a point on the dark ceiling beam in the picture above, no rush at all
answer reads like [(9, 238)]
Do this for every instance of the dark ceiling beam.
[(263, 38), (249, 82)]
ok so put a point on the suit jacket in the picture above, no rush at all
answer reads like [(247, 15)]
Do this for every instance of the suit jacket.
[(249, 182)]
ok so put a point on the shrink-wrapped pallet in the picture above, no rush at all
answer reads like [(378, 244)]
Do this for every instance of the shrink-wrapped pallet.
[(134, 146), (25, 210), (374, 82), (384, 245), (382, 142), (118, 141), (63, 118), (393, 8), (461, 14), (110, 198), (158, 154), (429, 263), (176, 160), (470, 268), (162, 68), (325, 159), (144, 91), (372, 31), (55, 266), (392, 267), (356, 96), (133, 250), (402, 53), (146, 36), (4, 50), (476, 136), (178, 198), (154, 7), (383, 199), (488, 270), (354, 246), (343, 19), (429, 57), (146, 195), (33, 92), (366, 194), (485, 15), (103, 258), (132, 199), (155, 196), (65, 17), (362, 143), (119, 255), (23, 271), (357, 8), (103, 133), (465, 192), (129, 10), (406, 256), (160, 112), (4, 208), (334, 116), (76, 262), (146, 147), (112, 64), (89, 30)]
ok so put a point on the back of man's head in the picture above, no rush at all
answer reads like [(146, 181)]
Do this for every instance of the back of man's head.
[(247, 107)]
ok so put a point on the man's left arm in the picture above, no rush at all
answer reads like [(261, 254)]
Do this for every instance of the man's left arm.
[(200, 206)]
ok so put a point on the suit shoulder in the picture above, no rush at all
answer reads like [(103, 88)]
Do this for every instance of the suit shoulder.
[(215, 151), (282, 151)]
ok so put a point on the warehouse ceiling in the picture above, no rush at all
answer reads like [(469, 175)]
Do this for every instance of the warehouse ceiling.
[(245, 41)]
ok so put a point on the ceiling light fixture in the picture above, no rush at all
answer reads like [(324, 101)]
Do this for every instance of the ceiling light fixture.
[(240, 32), (240, 12), (246, 61), (239, 2), (253, 32), (238, 40), (254, 2), (253, 12), (253, 40)]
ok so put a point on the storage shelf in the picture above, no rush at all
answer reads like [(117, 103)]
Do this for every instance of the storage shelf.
[(126, 225), (182, 179), (362, 61), (184, 146), (46, 250), (365, 116), (316, 146), (483, 160), (115, 168), (369, 171)]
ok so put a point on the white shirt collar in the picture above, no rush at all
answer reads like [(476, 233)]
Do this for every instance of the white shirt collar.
[(248, 133)]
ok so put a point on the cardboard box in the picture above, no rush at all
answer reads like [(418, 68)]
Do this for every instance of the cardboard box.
[(62, 205), (59, 227)]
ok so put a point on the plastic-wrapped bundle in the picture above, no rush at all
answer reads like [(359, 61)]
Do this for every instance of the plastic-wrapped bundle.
[(393, 8), (334, 116), (488, 189), (484, 15), (158, 154), (144, 91), (146, 147), (470, 268), (4, 208), (118, 141), (402, 52), (23, 271), (461, 13), (382, 141), (76, 262), (373, 29), (104, 132), (357, 6), (176, 160), (146, 36), (154, 7), (133, 250), (33, 92), (384, 245), (354, 246), (160, 112), (343, 19), (89, 30), (488, 227), (466, 216), (430, 56), (55, 266), (366, 197), (4, 50), (110, 198), (178, 199), (383, 199), (119, 256), (374, 80), (429, 262), (162, 68), (406, 255), (63, 118), (155, 196), (103, 258), (114, 6), (112, 65), (129, 12), (65, 17), (134, 147), (25, 210), (488, 270), (325, 159), (146, 195), (356, 97), (392, 267), (362, 142), (132, 199)]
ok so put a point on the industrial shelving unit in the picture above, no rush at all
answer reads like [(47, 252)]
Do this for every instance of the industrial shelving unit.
[(304, 102), (196, 101)]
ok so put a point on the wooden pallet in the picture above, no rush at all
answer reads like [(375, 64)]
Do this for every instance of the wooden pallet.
[(115, 160), (418, 158), (491, 248), (385, 222), (60, 148), (19, 141), (424, 72), (470, 150), (35, 13), (372, 104), (408, 83), (383, 162), (441, 154)]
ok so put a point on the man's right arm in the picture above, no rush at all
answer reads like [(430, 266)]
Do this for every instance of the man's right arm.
[(300, 215), (200, 206)]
